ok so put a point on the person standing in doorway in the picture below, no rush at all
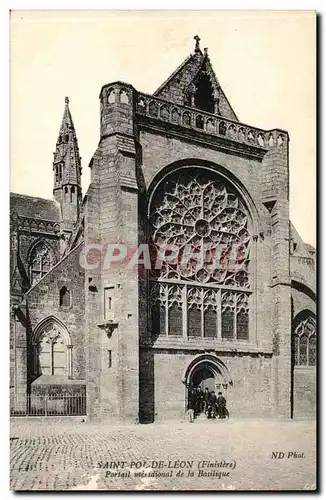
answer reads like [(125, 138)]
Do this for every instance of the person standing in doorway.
[(214, 404), (192, 402), (222, 411), (200, 401), (207, 399)]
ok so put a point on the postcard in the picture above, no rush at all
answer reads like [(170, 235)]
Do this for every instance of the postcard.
[(162, 239)]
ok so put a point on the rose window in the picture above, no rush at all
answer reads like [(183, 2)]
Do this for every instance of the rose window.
[(207, 222)]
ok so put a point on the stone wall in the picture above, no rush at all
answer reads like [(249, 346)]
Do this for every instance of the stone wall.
[(111, 216), (163, 395), (43, 301), (304, 392)]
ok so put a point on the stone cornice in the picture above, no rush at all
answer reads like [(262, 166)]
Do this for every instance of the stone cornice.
[(37, 225), (197, 137), (215, 130), (202, 345)]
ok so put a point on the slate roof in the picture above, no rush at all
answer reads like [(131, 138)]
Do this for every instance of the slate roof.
[(31, 206)]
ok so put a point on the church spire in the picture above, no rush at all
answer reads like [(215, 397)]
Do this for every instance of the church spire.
[(67, 170)]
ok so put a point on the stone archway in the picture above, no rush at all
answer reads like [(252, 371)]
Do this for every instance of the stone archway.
[(206, 371)]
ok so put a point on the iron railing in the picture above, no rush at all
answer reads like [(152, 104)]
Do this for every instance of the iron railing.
[(48, 405)]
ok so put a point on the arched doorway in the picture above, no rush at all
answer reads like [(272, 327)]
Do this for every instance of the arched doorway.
[(203, 378), (206, 371)]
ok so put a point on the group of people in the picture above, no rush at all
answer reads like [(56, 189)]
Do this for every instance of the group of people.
[(206, 402)]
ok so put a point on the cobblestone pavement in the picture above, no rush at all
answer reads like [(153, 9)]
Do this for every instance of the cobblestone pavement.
[(66, 456)]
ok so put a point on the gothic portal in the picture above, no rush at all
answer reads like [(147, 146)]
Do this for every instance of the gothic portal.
[(230, 304)]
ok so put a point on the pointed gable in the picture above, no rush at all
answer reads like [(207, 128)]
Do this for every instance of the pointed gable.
[(195, 84)]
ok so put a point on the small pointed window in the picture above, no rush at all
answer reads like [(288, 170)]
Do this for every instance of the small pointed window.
[(124, 98), (199, 122), (204, 93), (64, 297), (72, 192)]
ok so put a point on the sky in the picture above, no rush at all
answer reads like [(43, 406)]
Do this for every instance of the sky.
[(264, 61)]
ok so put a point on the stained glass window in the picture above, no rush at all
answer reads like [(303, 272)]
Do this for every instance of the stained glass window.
[(194, 322), (312, 350), (205, 219), (64, 297), (296, 349), (304, 342), (40, 262)]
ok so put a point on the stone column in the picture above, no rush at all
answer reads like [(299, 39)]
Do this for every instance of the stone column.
[(276, 199), (112, 218)]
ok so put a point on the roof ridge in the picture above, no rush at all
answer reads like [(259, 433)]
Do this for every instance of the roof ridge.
[(30, 196), (176, 71), (54, 267)]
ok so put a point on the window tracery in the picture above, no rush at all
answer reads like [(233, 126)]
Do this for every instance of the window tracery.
[(52, 354), (40, 262), (304, 342), (204, 218)]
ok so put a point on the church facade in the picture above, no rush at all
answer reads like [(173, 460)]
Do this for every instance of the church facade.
[(179, 267)]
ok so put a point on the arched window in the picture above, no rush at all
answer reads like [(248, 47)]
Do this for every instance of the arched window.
[(111, 96), (52, 350), (124, 98), (72, 192), (153, 108), (40, 262), (64, 297), (222, 128), (196, 295), (175, 311), (199, 122), (186, 119), (304, 340)]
